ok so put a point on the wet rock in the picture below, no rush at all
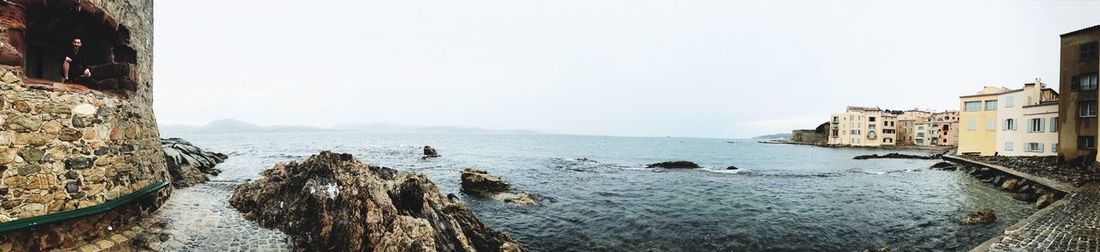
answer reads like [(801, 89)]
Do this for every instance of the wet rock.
[(332, 202), (674, 165), (1045, 199), (731, 168), (480, 182), (946, 166), (1025, 197), (1010, 185), (429, 152), (985, 215), (189, 165), (897, 156)]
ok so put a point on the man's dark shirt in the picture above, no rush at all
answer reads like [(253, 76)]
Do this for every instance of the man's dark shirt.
[(77, 66)]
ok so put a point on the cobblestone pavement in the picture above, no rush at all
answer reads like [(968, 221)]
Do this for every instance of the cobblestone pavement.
[(199, 218), (1071, 226)]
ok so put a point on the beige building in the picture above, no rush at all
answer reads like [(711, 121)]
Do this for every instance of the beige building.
[(1028, 119), (862, 126), (909, 127), (945, 132)]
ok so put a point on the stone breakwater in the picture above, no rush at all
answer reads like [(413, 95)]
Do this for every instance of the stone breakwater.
[(190, 165), (333, 202)]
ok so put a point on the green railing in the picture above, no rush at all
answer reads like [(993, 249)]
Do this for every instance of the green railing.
[(26, 223)]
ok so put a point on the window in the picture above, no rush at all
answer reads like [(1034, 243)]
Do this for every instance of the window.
[(1036, 125), (1054, 124), (1008, 146), (1009, 101), (1034, 147), (1086, 142), (970, 125), (52, 28), (1054, 147), (1083, 82), (836, 119), (972, 106), (1089, 51), (1086, 109), (990, 125), (871, 119), (1009, 124), (991, 105)]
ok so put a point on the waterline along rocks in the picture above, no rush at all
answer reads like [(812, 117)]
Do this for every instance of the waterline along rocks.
[(332, 201), (65, 147), (674, 165), (480, 183), (897, 156), (189, 165)]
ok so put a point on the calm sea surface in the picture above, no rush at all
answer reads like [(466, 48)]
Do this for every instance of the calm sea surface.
[(785, 197)]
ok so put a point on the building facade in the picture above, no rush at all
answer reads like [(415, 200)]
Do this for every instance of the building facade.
[(946, 128), (978, 119), (862, 126), (1077, 101), (1028, 121)]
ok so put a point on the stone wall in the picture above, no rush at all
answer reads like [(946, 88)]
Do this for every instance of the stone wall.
[(817, 136), (64, 148)]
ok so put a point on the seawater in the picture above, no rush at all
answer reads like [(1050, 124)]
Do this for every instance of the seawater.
[(783, 197)]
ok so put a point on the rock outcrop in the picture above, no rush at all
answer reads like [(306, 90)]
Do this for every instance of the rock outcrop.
[(674, 165), (732, 168), (479, 183), (985, 215), (429, 152), (332, 202), (189, 165)]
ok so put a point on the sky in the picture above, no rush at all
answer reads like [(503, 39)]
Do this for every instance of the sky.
[(726, 69)]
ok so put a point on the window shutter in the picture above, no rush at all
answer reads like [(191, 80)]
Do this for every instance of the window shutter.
[(1042, 146), (1042, 121)]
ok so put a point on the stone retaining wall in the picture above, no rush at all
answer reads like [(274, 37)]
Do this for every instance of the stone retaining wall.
[(68, 148)]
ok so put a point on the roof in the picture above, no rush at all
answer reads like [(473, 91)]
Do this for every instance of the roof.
[(1087, 29), (990, 91)]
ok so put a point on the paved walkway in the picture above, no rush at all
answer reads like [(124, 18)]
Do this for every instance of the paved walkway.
[(1071, 224), (199, 218)]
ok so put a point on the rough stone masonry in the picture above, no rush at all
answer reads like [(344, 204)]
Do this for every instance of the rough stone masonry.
[(64, 148)]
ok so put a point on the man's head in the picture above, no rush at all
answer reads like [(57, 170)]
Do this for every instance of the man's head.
[(77, 43)]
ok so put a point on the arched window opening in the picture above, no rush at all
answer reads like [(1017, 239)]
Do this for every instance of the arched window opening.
[(103, 60)]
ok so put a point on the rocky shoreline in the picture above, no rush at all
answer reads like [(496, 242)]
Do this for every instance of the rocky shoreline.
[(1074, 172), (190, 165), (332, 201)]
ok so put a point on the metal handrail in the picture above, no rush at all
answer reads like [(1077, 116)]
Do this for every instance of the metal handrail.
[(31, 222)]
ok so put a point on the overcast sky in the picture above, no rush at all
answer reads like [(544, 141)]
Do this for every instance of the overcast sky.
[(630, 67)]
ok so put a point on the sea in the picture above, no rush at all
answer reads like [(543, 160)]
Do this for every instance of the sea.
[(596, 194)]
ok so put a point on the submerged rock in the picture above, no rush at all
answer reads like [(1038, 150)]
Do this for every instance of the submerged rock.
[(674, 165), (985, 215), (947, 166), (480, 183), (334, 202), (429, 152), (188, 165)]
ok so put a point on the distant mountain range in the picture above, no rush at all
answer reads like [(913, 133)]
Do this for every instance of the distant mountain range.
[(237, 126), (774, 136)]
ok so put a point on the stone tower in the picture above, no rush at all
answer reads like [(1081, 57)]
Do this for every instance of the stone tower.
[(67, 148)]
